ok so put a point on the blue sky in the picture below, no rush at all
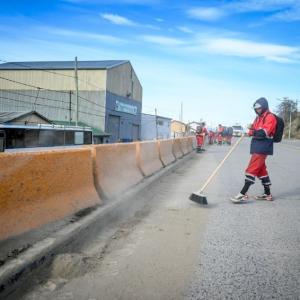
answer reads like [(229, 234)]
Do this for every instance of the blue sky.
[(215, 56)]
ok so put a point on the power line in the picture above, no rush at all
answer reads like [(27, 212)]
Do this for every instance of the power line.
[(55, 73), (36, 87), (18, 100), (64, 92), (51, 90), (31, 96), (51, 72), (56, 107), (32, 86)]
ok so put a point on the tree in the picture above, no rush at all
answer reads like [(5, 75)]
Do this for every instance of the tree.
[(286, 107)]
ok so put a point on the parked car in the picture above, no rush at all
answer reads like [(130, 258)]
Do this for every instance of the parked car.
[(238, 130)]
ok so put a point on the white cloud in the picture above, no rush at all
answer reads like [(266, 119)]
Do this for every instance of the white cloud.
[(162, 40), (123, 21), (261, 5), (283, 10), (83, 35), (227, 46), (185, 29), (206, 13), (246, 48), (118, 20), (121, 2), (288, 15)]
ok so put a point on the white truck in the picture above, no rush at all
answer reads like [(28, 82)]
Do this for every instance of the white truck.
[(237, 130)]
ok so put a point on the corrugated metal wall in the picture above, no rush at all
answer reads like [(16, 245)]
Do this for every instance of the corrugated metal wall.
[(123, 81), (56, 106), (63, 80)]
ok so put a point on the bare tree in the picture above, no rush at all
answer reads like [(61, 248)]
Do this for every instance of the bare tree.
[(286, 108)]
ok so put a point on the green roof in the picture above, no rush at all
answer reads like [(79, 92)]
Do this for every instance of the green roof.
[(96, 131)]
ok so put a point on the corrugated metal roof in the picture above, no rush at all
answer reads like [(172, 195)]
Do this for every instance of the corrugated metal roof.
[(62, 65), (8, 116)]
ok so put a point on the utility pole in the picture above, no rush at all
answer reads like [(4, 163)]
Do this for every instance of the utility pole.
[(290, 127), (156, 123), (70, 107), (76, 90), (181, 112)]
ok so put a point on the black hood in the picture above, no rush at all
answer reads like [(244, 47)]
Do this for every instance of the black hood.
[(263, 103)]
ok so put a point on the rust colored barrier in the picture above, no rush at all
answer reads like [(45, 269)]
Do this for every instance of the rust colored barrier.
[(191, 141), (177, 150), (185, 145), (194, 142), (37, 188), (116, 168), (166, 151), (149, 161)]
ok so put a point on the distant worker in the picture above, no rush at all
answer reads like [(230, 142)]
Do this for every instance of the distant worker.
[(229, 134), (211, 137), (220, 134), (200, 136), (224, 135), (263, 131)]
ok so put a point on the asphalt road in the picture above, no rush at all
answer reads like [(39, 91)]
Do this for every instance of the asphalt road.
[(176, 249)]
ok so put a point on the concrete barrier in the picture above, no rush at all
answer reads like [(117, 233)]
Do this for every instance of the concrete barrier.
[(194, 142), (37, 188), (166, 152), (177, 150), (116, 168), (185, 145), (149, 160), (191, 142)]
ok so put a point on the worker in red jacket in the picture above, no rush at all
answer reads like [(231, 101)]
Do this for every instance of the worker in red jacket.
[(200, 136), (262, 132), (220, 131), (211, 137)]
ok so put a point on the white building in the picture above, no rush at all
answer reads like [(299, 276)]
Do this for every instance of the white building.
[(155, 127)]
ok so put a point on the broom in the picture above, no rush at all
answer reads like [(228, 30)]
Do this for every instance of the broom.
[(199, 196)]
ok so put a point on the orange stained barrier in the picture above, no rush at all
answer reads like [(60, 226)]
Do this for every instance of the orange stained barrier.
[(177, 150), (149, 161), (166, 151), (116, 168), (37, 188), (185, 145), (194, 142), (191, 141)]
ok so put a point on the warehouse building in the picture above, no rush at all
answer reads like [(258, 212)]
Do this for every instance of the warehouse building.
[(109, 94), (155, 127)]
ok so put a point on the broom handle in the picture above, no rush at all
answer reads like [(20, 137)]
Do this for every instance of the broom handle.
[(220, 165)]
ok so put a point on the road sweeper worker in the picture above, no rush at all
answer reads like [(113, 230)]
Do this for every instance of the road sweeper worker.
[(211, 136), (262, 132), (220, 131), (200, 135)]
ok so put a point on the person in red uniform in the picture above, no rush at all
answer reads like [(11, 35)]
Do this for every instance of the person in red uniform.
[(262, 132), (200, 136), (220, 134), (211, 137)]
